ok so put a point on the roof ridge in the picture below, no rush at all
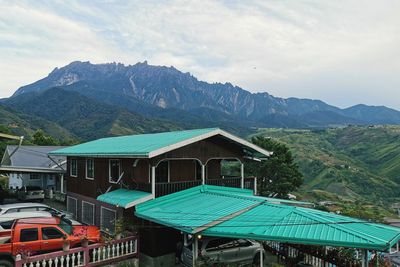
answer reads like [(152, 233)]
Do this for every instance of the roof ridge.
[(340, 226)]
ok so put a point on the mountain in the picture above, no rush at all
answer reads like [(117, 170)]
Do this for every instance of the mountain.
[(164, 92), (354, 163), (84, 117)]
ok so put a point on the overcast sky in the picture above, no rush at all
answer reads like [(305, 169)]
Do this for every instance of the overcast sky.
[(342, 52)]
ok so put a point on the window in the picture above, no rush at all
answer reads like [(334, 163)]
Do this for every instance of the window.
[(28, 235), (51, 233), (107, 222), (28, 209), (34, 176), (87, 213), (72, 206), (217, 244), (73, 168), (7, 224), (11, 211), (114, 170), (90, 169)]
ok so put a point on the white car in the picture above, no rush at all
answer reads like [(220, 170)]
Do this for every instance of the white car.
[(7, 220), (224, 250), (31, 207), (31, 193)]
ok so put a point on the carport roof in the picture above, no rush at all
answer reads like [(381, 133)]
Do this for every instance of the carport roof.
[(125, 198), (228, 212)]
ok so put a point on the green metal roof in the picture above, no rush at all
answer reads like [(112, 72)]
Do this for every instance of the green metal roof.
[(149, 145), (131, 145), (125, 198), (228, 212)]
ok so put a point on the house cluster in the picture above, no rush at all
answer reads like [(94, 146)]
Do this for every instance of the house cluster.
[(169, 189)]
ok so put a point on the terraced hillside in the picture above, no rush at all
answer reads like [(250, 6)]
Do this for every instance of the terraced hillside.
[(348, 164)]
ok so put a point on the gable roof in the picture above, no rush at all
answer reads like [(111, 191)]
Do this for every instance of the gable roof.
[(151, 145), (31, 159), (234, 213)]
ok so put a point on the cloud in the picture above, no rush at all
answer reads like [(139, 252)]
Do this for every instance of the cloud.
[(339, 51)]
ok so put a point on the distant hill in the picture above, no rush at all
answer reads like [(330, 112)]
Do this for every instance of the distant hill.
[(167, 93), (351, 163), (26, 124), (84, 117)]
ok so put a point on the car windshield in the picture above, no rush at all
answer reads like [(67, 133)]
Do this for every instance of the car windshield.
[(66, 225)]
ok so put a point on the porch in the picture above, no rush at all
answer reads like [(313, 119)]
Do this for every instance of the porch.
[(162, 189)]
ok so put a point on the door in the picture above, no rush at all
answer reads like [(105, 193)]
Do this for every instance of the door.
[(28, 243), (52, 239), (229, 252), (245, 251)]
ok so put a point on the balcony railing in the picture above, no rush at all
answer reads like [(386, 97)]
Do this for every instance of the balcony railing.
[(163, 189)]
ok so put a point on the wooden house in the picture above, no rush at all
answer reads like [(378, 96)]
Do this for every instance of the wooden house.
[(107, 177)]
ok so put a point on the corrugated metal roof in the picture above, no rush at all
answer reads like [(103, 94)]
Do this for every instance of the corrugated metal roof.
[(33, 157), (151, 145), (131, 145), (227, 212), (124, 198)]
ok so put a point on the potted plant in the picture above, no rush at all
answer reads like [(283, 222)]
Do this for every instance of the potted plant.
[(119, 228)]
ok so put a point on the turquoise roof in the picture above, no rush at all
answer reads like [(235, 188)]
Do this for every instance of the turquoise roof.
[(124, 198), (227, 212), (140, 145)]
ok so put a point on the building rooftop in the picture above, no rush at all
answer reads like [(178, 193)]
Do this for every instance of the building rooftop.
[(152, 145)]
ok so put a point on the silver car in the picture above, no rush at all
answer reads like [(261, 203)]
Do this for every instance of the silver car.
[(223, 250), (32, 207)]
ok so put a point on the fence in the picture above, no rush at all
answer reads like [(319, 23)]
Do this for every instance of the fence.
[(92, 255)]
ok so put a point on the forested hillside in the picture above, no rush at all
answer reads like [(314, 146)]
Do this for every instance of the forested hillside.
[(348, 164)]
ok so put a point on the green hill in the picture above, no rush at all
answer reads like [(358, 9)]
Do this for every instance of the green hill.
[(347, 164)]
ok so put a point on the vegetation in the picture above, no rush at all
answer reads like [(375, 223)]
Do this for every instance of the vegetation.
[(357, 168), (278, 175)]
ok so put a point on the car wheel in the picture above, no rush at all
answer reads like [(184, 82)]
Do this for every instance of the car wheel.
[(6, 263)]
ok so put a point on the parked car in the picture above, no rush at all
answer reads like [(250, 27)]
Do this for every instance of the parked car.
[(30, 193), (32, 206), (223, 250), (7, 220), (39, 235)]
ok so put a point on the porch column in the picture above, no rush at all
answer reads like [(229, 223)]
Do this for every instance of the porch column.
[(203, 174), (364, 258), (261, 255), (153, 181), (195, 248), (62, 183), (242, 175)]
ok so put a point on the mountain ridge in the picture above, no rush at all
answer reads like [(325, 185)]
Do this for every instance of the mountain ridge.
[(145, 89)]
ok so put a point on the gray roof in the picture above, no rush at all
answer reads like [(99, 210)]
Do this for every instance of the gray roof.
[(32, 157)]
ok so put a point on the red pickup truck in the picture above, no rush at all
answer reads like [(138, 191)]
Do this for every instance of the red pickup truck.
[(41, 235)]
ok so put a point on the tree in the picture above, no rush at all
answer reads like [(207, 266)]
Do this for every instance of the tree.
[(279, 174), (41, 139)]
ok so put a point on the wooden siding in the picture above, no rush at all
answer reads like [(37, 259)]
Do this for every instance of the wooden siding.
[(209, 151), (99, 185)]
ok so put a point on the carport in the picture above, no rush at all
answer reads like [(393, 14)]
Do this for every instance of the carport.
[(235, 213)]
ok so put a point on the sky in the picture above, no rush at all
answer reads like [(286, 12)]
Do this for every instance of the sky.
[(343, 52)]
